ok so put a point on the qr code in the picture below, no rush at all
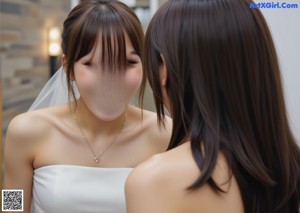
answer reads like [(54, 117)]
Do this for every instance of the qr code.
[(12, 200)]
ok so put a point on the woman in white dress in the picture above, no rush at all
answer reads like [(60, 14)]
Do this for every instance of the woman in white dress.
[(75, 157)]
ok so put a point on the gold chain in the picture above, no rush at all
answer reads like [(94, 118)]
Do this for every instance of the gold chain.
[(97, 158)]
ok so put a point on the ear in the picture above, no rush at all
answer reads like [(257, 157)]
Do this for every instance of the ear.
[(64, 64), (163, 81), (163, 72)]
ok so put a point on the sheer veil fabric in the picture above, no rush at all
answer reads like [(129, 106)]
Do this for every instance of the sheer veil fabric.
[(55, 92)]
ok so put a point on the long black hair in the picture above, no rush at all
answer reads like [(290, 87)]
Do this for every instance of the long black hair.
[(225, 90)]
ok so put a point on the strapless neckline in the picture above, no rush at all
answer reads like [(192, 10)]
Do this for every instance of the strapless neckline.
[(82, 167), (79, 189)]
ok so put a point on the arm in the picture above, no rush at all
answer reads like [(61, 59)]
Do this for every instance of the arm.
[(18, 157), (145, 189), (137, 195)]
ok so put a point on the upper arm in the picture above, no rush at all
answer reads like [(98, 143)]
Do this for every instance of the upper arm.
[(139, 197), (144, 189), (18, 154), (136, 198)]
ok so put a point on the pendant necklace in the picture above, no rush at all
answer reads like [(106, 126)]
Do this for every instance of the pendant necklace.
[(97, 158)]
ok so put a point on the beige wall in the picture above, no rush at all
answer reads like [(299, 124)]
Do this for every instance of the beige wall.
[(24, 59), (24, 66), (1, 148)]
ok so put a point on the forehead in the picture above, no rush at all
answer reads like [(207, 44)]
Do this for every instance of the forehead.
[(101, 45), (111, 49), (113, 39)]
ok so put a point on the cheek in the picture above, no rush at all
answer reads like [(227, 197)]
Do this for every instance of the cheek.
[(84, 80), (134, 77)]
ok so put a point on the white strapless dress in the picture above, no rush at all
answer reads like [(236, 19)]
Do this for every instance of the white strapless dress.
[(79, 189)]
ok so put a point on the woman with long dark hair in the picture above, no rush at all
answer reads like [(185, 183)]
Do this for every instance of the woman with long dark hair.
[(213, 65)]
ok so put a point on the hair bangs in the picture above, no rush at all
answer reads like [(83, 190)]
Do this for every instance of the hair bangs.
[(111, 34), (87, 36), (113, 45)]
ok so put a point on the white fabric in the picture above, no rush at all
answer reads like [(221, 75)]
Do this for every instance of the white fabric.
[(54, 92), (79, 189)]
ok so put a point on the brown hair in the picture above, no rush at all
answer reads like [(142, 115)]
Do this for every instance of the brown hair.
[(109, 19), (225, 91)]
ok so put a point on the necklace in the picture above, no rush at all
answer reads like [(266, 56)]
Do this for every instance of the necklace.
[(97, 158)]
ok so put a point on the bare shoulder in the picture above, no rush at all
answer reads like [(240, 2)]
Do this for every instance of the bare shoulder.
[(159, 168), (163, 180), (150, 118), (157, 184), (24, 125), (24, 134), (31, 125), (147, 174), (143, 186), (150, 124)]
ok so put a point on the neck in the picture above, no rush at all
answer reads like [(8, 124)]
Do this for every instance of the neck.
[(89, 122)]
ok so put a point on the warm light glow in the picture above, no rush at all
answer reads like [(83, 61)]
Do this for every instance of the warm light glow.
[(54, 41), (54, 49), (54, 33)]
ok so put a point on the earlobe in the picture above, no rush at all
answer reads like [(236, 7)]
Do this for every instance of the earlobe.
[(64, 64), (163, 82), (163, 73)]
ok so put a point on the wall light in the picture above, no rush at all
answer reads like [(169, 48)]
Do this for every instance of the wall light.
[(54, 41), (54, 49)]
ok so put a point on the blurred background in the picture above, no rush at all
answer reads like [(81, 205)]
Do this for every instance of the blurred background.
[(30, 48)]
